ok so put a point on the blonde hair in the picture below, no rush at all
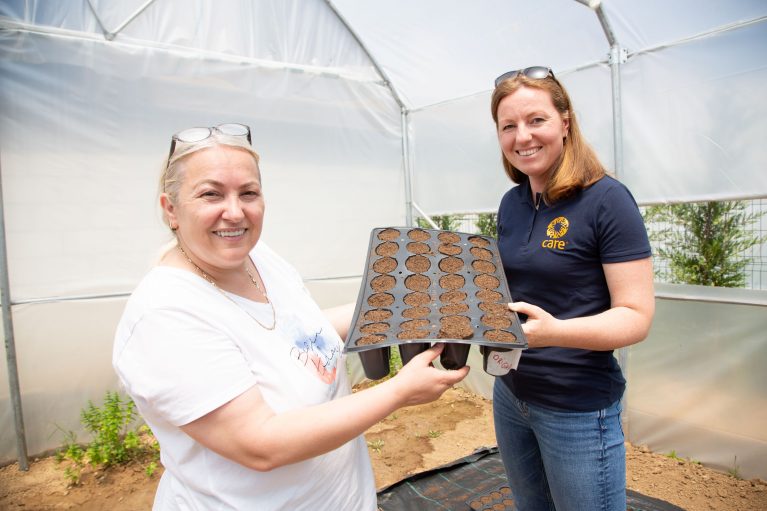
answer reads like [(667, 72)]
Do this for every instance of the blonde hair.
[(578, 166), (172, 175)]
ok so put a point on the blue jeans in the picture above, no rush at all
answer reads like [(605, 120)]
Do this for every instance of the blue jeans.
[(563, 461)]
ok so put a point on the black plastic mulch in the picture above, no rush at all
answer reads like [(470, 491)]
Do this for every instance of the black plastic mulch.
[(475, 483)]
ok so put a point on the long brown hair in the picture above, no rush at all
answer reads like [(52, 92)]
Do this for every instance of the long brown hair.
[(578, 165)]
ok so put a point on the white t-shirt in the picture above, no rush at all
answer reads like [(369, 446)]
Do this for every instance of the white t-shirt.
[(182, 349)]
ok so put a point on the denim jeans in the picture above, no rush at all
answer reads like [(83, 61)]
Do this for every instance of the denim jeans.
[(563, 461)]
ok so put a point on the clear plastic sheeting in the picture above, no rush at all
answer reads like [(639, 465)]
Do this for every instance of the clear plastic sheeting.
[(695, 119), (64, 354), (85, 126), (696, 385)]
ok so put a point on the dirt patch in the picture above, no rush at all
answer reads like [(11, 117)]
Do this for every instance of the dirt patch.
[(407, 442)]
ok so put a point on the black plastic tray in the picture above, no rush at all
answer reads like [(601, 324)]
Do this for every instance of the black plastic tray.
[(476, 255)]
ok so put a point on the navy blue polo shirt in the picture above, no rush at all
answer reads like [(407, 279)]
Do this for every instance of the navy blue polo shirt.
[(553, 258)]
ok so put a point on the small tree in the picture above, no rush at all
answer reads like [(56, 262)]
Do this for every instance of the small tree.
[(705, 243)]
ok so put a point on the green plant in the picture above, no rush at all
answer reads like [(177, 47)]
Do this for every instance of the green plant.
[(395, 362), (376, 445), (673, 455), (434, 434), (704, 243), (487, 224), (735, 470), (74, 455), (112, 443), (443, 222)]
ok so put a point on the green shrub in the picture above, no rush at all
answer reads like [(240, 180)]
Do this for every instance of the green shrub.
[(113, 441)]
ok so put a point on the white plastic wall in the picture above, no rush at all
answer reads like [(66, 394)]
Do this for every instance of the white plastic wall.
[(697, 383)]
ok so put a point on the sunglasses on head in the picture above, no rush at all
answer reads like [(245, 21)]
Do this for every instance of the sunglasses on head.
[(192, 135), (534, 72)]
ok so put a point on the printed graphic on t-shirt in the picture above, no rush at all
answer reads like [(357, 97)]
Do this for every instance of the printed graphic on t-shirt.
[(555, 230), (318, 353)]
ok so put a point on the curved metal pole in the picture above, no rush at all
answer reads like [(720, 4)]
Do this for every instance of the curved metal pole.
[(10, 346), (403, 111)]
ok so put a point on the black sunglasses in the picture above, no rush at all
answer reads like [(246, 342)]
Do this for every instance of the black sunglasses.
[(534, 72), (192, 135)]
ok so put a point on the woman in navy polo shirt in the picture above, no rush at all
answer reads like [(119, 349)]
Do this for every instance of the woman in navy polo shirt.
[(577, 258)]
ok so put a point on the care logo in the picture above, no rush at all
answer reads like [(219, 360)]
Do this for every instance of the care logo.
[(555, 230), (558, 227)]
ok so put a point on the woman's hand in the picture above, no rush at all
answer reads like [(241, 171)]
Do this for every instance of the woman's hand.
[(420, 382), (540, 326)]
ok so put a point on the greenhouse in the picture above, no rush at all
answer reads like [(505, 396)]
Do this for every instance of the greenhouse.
[(368, 114)]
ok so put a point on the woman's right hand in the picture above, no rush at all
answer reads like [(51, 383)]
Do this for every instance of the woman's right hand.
[(420, 382)]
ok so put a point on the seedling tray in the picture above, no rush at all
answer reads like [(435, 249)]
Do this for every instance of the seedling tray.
[(498, 499), (424, 285)]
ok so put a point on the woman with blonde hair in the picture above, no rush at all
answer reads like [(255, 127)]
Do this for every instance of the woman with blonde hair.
[(237, 371)]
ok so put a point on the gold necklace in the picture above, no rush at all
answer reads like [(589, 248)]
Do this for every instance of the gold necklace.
[(212, 282)]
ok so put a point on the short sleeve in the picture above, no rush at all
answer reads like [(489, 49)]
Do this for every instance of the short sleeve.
[(622, 233), (180, 367)]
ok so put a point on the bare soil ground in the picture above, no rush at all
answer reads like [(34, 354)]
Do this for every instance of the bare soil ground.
[(407, 442)]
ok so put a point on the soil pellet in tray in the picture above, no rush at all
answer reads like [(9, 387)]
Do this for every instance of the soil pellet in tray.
[(450, 265), (483, 266), (385, 265), (383, 283), (377, 315), (478, 242), (388, 248), (380, 300), (481, 253), (374, 328), (496, 321), (413, 334), (452, 281), (417, 263), (418, 235), (388, 235), (499, 336), (417, 282), (415, 312), (488, 296), (486, 281), (453, 308), (417, 299), (455, 327), (495, 308), (452, 296), (416, 247), (370, 339), (449, 249), (413, 324), (449, 237)]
